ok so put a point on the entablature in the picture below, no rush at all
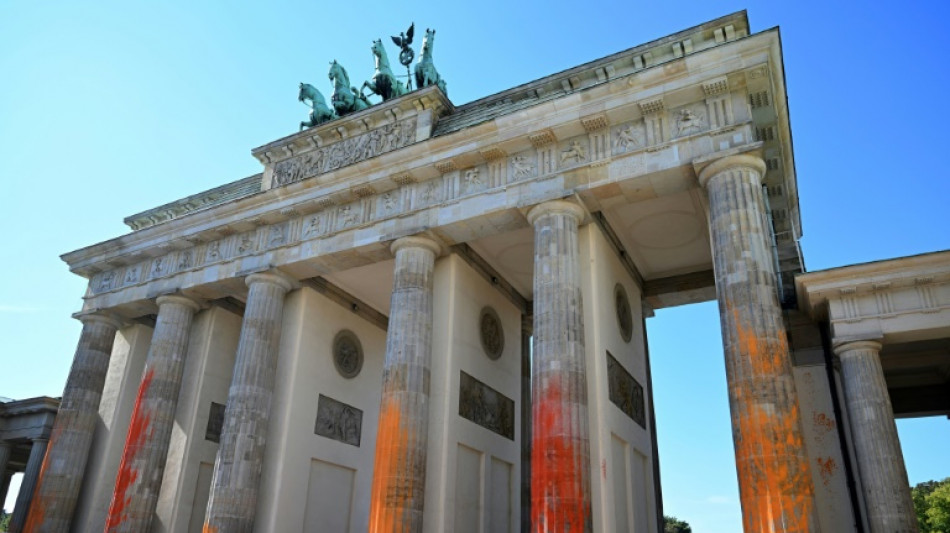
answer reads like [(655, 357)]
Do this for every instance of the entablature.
[(645, 127)]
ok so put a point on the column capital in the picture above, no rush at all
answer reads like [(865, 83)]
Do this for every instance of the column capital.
[(839, 347), (416, 241), (559, 207), (273, 278), (98, 315), (731, 162), (179, 299)]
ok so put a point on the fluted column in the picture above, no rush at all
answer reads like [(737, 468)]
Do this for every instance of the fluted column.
[(775, 484), (237, 469), (146, 445), (63, 467), (560, 459), (880, 461), (399, 474), (28, 485)]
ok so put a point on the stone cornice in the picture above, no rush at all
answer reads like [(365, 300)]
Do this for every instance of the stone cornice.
[(870, 300)]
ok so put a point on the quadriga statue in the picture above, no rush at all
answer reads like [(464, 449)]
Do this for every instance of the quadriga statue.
[(426, 74), (320, 112)]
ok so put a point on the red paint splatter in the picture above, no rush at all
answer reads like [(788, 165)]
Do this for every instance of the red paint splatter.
[(138, 431), (826, 467), (603, 467), (823, 425), (560, 497)]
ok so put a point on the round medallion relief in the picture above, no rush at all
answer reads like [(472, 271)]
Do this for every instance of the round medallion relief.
[(624, 315), (347, 354), (491, 333)]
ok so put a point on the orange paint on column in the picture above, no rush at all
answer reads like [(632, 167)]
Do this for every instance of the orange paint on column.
[(774, 479), (558, 501), (388, 500), (138, 430)]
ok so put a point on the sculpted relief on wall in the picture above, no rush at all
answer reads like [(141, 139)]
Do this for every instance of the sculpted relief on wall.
[(345, 152)]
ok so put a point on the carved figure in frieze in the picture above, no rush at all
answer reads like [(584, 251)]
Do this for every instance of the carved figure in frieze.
[(575, 152), (429, 191), (347, 216), (158, 267), (426, 73), (688, 122), (214, 250), (626, 139), (473, 179), (389, 201), (312, 226), (132, 274), (184, 260), (320, 112), (384, 82), (345, 98), (522, 166), (276, 235), (247, 243), (105, 282)]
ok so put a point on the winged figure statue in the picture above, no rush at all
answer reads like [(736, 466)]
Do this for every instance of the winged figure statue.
[(405, 39)]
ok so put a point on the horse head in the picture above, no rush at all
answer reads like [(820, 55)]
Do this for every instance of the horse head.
[(378, 49), (427, 43)]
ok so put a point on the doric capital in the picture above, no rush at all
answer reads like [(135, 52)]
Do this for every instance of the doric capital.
[(738, 161), (178, 299), (556, 207), (273, 278), (100, 316), (842, 347), (416, 242)]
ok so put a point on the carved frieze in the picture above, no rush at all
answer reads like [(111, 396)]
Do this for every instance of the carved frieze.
[(486, 407), (625, 392), (346, 152), (338, 421)]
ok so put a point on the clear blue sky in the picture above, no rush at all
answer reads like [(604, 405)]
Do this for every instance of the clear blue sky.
[(110, 108)]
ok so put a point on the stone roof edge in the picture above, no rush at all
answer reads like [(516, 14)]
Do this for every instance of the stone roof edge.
[(809, 283), (192, 203), (741, 15)]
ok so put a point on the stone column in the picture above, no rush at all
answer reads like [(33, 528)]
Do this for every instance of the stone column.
[(880, 461), (4, 479), (64, 465), (28, 485), (237, 470), (560, 440), (399, 474), (775, 484), (146, 446)]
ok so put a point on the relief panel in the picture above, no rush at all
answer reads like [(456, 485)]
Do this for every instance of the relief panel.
[(625, 392), (486, 407)]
